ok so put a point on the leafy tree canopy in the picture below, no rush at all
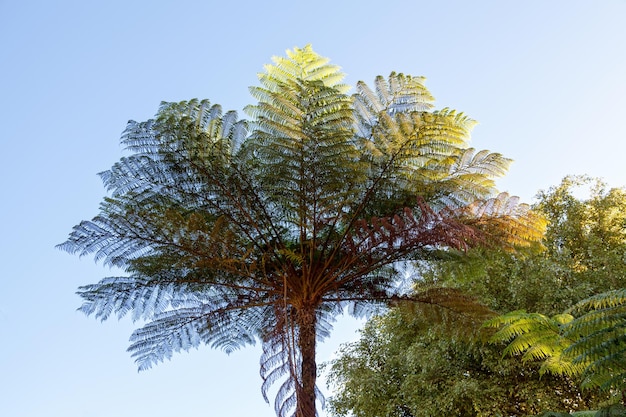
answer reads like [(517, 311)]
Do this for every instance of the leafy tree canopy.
[(235, 231), (419, 364), (411, 363), (582, 254), (586, 340)]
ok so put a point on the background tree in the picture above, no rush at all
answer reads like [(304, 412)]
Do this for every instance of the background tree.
[(586, 341), (233, 231), (582, 254), (416, 362)]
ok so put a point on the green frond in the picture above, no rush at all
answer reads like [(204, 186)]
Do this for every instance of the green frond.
[(611, 299), (536, 337), (599, 335), (304, 134), (459, 118), (561, 364), (518, 323), (612, 410), (592, 345)]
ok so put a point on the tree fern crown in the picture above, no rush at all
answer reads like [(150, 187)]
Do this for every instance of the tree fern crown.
[(235, 231)]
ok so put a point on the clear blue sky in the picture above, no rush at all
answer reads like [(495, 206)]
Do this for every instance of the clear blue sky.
[(545, 79)]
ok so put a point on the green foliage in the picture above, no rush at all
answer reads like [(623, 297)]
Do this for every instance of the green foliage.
[(537, 338), (236, 231), (409, 363), (587, 238), (599, 340), (591, 345), (581, 254), (576, 414)]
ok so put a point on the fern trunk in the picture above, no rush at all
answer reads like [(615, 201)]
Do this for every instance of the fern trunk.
[(305, 394)]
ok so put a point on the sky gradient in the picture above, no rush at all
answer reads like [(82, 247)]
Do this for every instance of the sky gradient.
[(545, 80)]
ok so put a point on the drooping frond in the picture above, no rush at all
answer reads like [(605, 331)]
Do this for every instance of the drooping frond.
[(120, 295), (183, 313), (281, 361), (450, 309), (279, 364), (188, 326)]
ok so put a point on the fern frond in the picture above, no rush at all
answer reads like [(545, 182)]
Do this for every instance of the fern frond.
[(452, 311), (279, 361), (120, 295), (399, 94), (610, 299), (171, 332), (600, 334), (111, 236), (472, 175), (302, 64), (505, 221), (402, 93), (185, 328), (592, 345), (536, 337)]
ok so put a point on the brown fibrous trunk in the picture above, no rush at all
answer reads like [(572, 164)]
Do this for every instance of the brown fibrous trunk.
[(305, 394)]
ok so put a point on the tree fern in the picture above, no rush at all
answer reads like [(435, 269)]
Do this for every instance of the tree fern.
[(234, 231)]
